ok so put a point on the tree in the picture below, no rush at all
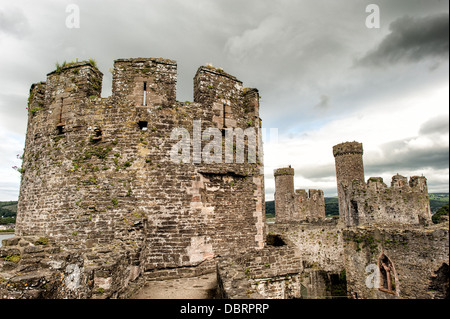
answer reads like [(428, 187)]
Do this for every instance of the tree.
[(443, 211)]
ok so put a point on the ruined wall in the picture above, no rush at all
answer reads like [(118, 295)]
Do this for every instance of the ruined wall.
[(418, 260), (33, 267), (362, 203), (273, 273), (319, 245), (402, 203), (299, 205), (98, 170), (280, 271)]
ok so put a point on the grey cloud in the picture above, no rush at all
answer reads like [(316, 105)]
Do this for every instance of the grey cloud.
[(13, 112), (437, 125), (324, 102), (13, 21), (412, 39), (317, 173), (398, 155)]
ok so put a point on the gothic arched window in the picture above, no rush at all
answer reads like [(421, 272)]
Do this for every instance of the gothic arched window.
[(388, 276)]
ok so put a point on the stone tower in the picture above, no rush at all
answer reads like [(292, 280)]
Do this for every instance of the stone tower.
[(99, 170), (373, 202), (349, 168), (284, 194), (296, 205)]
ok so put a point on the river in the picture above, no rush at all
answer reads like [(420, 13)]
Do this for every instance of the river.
[(4, 236)]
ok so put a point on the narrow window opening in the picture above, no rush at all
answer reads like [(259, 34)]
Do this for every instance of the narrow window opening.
[(60, 129), (354, 214), (98, 135), (144, 102), (60, 125), (224, 122), (224, 116), (143, 125), (98, 132), (61, 110)]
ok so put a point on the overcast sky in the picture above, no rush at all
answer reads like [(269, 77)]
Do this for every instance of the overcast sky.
[(324, 76)]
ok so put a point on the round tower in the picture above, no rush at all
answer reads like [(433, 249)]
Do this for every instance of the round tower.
[(284, 194), (349, 167)]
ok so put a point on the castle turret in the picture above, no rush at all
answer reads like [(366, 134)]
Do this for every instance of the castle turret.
[(220, 91), (349, 168), (67, 89), (145, 82), (296, 205), (99, 169), (284, 194), (374, 202)]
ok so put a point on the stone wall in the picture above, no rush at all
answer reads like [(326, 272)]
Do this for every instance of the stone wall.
[(299, 205), (417, 257), (349, 168), (272, 273), (36, 267), (402, 203), (99, 170), (320, 245), (362, 203)]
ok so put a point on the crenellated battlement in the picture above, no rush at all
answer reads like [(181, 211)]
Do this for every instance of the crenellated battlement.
[(144, 82), (214, 85), (287, 171), (415, 184), (373, 202), (98, 170), (74, 80), (296, 205), (348, 148)]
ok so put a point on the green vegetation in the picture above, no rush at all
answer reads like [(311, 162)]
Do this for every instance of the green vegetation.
[(443, 211), (270, 209), (8, 212), (36, 109), (60, 67), (13, 258), (331, 206), (41, 241), (367, 240)]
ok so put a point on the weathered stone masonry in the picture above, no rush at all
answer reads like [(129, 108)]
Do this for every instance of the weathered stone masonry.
[(103, 207), (298, 205), (383, 245), (373, 202), (97, 171)]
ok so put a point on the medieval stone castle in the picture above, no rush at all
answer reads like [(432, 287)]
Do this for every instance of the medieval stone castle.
[(103, 208)]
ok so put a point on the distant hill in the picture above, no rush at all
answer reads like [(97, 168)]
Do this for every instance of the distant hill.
[(437, 200), (8, 212)]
